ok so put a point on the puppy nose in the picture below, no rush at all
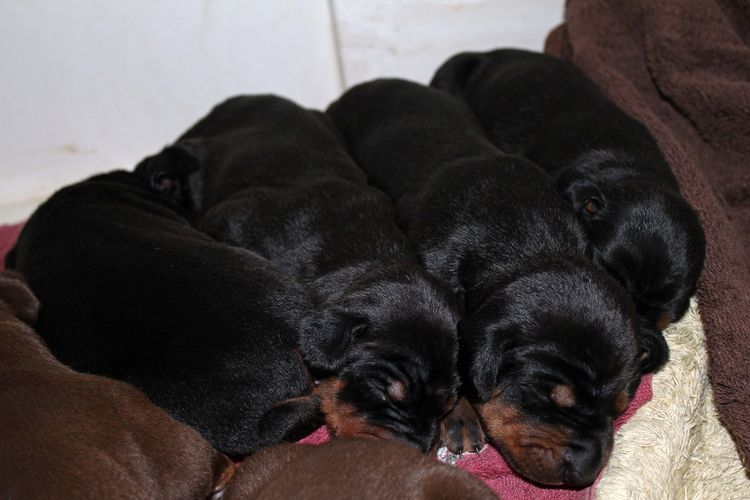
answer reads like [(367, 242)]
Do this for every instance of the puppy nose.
[(584, 458)]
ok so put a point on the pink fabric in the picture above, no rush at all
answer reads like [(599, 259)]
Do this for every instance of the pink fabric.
[(488, 466), (8, 237)]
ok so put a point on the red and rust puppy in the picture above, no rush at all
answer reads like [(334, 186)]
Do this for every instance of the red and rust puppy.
[(273, 177), (607, 165), (130, 290), (549, 347), (65, 434), (351, 468)]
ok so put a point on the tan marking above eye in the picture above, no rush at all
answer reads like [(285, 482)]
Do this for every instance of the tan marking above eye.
[(563, 396), (591, 207), (396, 390)]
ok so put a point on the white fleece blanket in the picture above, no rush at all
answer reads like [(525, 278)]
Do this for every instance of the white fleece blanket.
[(674, 447)]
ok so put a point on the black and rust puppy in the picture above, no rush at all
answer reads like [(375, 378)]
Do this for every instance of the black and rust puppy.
[(273, 177), (65, 434), (549, 349), (605, 163), (130, 290)]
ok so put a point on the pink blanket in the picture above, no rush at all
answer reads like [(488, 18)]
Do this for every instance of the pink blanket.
[(488, 465)]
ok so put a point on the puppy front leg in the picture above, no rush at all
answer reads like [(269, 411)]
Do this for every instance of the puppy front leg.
[(461, 430)]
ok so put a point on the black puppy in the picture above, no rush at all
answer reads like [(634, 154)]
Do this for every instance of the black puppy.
[(548, 347), (130, 290), (273, 177), (605, 163)]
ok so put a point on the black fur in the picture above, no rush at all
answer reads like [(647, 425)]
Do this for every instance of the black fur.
[(605, 163), (538, 313), (276, 179), (130, 290)]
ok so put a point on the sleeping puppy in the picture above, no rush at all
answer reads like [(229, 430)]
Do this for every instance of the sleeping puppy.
[(549, 346), (130, 290), (351, 468), (605, 163), (273, 177), (65, 434)]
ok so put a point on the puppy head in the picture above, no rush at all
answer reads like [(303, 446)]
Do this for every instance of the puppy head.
[(389, 344), (458, 72), (649, 239), (175, 173), (551, 361), (16, 299)]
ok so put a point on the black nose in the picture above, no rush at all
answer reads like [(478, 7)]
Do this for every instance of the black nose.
[(584, 458)]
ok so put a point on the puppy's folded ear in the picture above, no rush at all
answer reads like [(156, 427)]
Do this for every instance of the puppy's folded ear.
[(583, 194), (176, 172), (291, 420), (482, 354), (10, 258), (457, 72), (325, 336), (654, 348), (17, 298)]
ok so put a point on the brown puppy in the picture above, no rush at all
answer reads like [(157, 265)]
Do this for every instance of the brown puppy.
[(351, 468), (65, 434)]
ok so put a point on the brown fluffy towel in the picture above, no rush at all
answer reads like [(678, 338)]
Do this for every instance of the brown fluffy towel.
[(682, 67)]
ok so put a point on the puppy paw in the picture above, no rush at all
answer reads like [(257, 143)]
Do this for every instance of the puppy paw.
[(461, 430)]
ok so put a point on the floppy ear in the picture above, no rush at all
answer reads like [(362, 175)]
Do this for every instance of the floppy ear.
[(325, 336), (456, 73), (10, 258), (176, 172), (583, 194), (653, 346), (482, 352), (17, 298)]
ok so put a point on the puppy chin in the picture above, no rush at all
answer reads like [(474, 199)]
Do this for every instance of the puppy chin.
[(543, 453)]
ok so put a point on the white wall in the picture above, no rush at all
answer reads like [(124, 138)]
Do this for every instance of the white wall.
[(411, 38), (91, 85)]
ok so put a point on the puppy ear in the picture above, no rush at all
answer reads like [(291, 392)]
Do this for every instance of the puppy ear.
[(175, 172), (583, 194), (325, 336), (456, 73), (291, 420), (10, 258), (481, 352), (17, 298), (654, 348)]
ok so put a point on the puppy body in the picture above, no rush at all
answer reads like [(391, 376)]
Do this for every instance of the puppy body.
[(539, 314), (130, 290), (70, 435), (605, 163), (275, 178), (351, 468)]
